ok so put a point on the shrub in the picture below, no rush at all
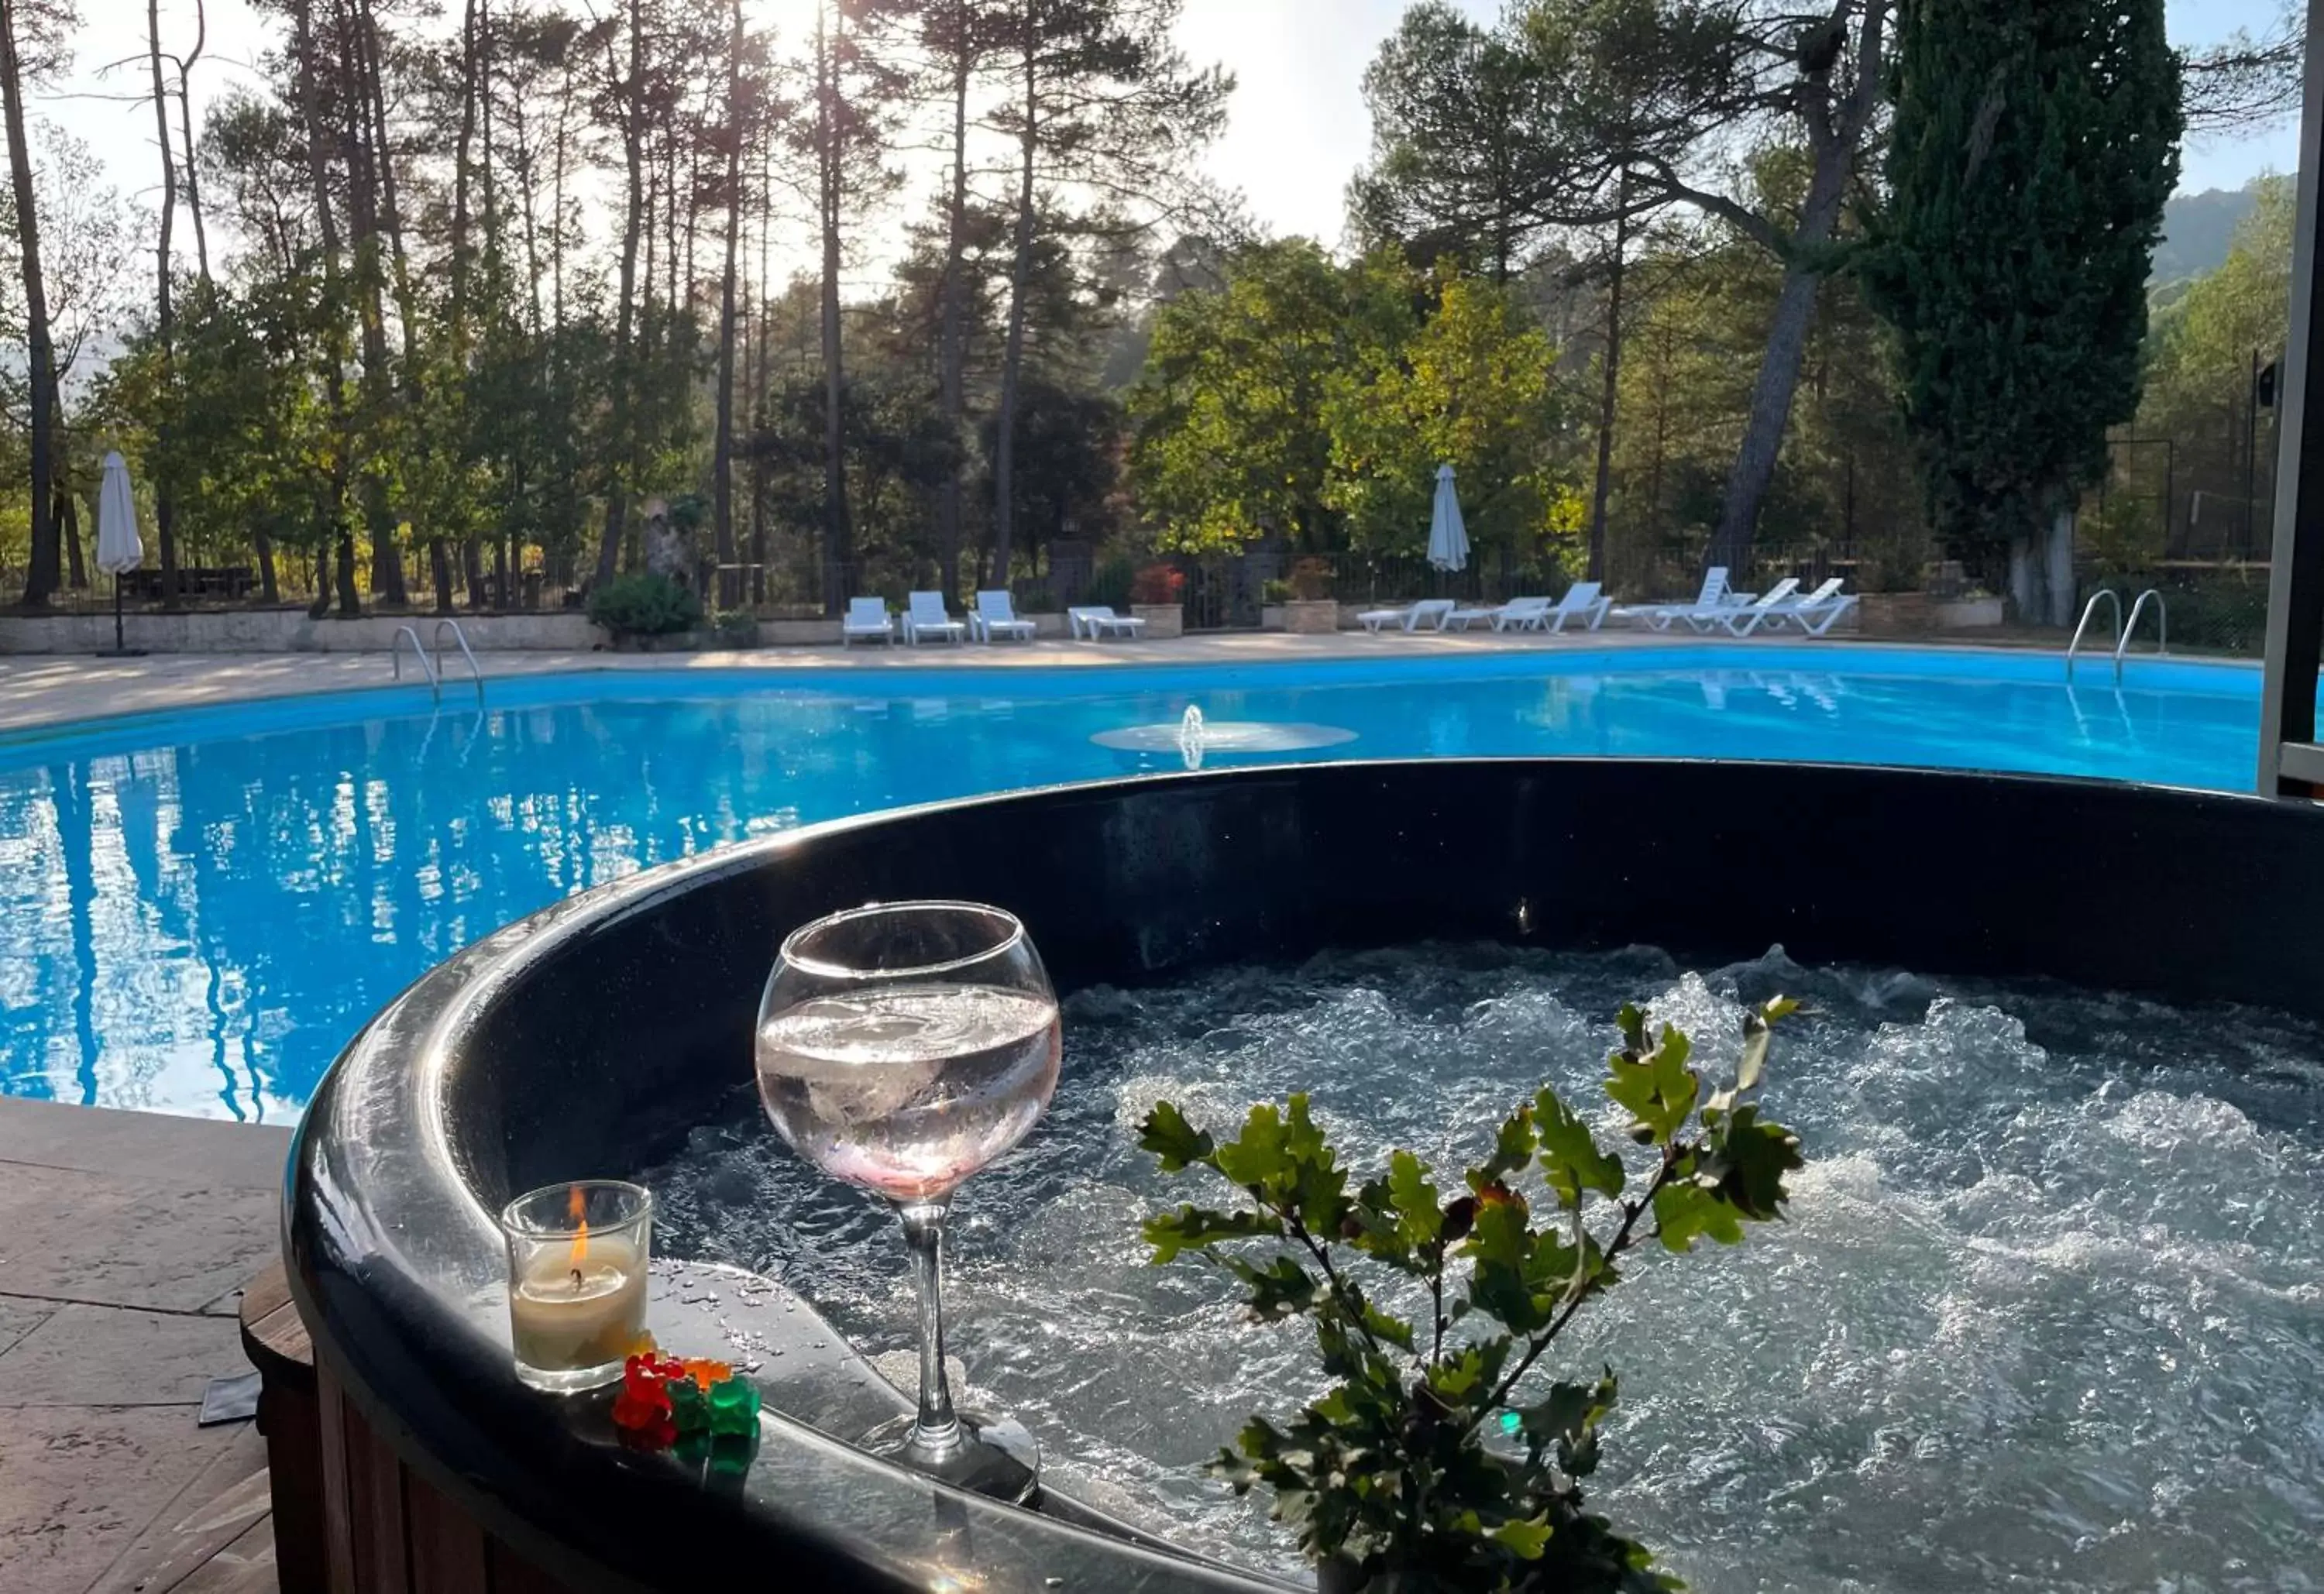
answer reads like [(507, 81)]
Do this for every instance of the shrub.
[(1158, 583), (1275, 592), (1445, 1456), (1311, 580), (735, 628), (1110, 582), (1036, 600), (644, 605)]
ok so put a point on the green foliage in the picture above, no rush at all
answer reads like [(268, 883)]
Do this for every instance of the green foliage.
[(1471, 387), (2032, 151), (1444, 1455), (1230, 439), (644, 604), (1110, 584)]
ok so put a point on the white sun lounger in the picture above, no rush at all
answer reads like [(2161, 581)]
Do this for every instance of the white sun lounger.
[(1521, 614), (1462, 619), (1741, 622), (866, 618), (994, 619), (1701, 614), (1099, 620), (1430, 613), (1584, 600), (926, 618), (1817, 613)]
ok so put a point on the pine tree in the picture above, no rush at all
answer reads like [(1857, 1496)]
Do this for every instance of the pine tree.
[(2032, 152)]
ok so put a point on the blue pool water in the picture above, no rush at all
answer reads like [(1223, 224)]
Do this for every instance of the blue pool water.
[(197, 910)]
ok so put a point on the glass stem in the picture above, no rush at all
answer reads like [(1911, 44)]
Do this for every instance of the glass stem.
[(939, 1429)]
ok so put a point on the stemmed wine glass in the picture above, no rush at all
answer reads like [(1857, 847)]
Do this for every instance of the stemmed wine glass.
[(902, 1047)]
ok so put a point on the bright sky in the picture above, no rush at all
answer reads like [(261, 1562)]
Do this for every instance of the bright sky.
[(1297, 130)]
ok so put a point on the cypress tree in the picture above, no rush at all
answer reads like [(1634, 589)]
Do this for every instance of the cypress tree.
[(2031, 150)]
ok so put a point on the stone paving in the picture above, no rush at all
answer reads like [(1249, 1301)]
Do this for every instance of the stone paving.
[(125, 1239)]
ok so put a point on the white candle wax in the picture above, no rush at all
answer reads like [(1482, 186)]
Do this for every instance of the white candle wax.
[(568, 1316)]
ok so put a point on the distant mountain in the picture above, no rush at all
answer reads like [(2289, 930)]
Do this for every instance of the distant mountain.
[(2197, 229)]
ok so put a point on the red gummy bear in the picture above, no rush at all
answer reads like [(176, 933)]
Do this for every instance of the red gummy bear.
[(642, 1408)]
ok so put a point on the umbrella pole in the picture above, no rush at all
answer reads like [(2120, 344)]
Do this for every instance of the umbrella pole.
[(117, 646)]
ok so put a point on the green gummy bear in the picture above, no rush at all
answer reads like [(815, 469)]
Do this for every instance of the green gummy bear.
[(689, 1408), (734, 1407)]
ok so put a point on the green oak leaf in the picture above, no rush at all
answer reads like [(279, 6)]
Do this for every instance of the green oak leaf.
[(1280, 1289), (1175, 1142), (1685, 1212), (1526, 1540), (1256, 1156), (1656, 1086), (1571, 1159), (1420, 1218), (1745, 1160), (1194, 1228)]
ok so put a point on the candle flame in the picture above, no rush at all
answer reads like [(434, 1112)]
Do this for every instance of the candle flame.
[(577, 1205)]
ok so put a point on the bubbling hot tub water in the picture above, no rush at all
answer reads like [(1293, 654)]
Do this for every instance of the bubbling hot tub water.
[(2048, 1311)]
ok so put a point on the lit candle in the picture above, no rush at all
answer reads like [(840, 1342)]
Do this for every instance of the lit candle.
[(569, 1315), (577, 1257)]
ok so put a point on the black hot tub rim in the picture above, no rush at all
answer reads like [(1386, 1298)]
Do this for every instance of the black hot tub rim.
[(576, 1040)]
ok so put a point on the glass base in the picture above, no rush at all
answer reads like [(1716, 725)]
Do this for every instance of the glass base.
[(995, 1457), (569, 1380)]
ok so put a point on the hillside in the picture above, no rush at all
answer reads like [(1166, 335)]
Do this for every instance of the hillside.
[(2197, 229)]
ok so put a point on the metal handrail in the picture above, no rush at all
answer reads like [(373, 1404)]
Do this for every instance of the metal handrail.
[(2089, 613), (427, 667), (460, 637), (2130, 626)]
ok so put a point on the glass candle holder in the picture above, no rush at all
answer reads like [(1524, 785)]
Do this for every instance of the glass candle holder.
[(576, 1259)]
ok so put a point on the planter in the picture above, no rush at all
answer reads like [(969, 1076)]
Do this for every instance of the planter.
[(1311, 617), (1969, 613), (1897, 614), (1163, 620), (1270, 617)]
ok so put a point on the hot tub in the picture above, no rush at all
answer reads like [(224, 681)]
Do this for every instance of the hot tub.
[(589, 1038)]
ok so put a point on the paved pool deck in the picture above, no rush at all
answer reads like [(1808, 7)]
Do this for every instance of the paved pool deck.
[(124, 1240), (41, 689)]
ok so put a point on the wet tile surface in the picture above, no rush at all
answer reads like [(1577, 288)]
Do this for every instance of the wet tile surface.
[(113, 1356), (79, 1484), (124, 1238)]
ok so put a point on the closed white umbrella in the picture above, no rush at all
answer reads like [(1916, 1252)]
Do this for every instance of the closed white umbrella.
[(118, 551), (1448, 539)]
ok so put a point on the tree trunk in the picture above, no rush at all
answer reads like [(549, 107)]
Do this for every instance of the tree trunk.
[(41, 571), (67, 519), (1607, 400), (723, 446), (185, 123), (1012, 360), (269, 588), (165, 508), (440, 569), (2041, 573), (759, 363), (334, 355), (1779, 370), (1833, 135), (631, 90), (950, 355), (838, 534)]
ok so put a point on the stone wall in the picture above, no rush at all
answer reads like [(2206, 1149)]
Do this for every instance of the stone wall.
[(287, 631), (290, 631)]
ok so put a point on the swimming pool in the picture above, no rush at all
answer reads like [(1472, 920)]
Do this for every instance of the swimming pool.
[(197, 909)]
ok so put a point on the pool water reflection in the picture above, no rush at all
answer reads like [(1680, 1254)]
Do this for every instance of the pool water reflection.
[(197, 913)]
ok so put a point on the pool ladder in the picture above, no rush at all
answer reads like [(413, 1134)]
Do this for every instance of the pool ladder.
[(433, 669), (2123, 629)]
